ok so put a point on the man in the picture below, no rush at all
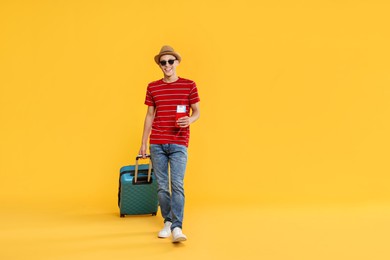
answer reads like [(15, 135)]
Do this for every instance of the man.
[(167, 121)]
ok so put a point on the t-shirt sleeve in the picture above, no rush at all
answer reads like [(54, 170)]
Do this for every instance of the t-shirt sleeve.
[(149, 98), (194, 95)]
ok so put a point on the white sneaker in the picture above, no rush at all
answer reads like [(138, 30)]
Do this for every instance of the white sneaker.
[(166, 231), (178, 235)]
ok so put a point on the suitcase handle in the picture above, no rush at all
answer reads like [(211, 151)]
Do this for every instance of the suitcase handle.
[(136, 167)]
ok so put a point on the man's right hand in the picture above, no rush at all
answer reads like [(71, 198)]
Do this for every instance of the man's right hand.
[(142, 151)]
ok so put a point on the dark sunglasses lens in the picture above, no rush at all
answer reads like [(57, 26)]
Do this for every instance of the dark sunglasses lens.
[(164, 62)]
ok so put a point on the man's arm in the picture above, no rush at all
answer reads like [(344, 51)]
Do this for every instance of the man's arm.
[(147, 128)]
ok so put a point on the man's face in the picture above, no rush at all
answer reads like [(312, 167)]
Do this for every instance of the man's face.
[(166, 66)]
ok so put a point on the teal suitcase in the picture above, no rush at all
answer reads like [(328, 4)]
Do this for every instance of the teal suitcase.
[(137, 193)]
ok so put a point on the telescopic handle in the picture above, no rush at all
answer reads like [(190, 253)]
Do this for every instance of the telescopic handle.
[(136, 167)]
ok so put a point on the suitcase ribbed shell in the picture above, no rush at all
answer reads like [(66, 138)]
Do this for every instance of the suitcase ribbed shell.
[(137, 199)]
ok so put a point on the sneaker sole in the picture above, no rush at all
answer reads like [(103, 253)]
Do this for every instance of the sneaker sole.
[(164, 236), (179, 239)]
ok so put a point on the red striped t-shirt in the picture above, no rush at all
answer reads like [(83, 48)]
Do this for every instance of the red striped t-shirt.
[(165, 97)]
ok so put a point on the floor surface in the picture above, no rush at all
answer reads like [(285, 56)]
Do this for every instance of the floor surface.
[(214, 232)]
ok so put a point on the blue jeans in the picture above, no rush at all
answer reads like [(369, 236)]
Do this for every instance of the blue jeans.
[(172, 205)]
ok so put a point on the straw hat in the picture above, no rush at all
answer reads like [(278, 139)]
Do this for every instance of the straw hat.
[(166, 50)]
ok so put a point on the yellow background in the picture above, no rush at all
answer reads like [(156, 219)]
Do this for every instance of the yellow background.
[(294, 99)]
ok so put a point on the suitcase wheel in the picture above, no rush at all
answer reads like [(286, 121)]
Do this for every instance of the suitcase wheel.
[(154, 214), (122, 215)]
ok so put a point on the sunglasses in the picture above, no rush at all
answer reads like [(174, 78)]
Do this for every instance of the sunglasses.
[(164, 62)]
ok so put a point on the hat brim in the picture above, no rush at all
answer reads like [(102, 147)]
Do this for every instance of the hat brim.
[(158, 56)]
